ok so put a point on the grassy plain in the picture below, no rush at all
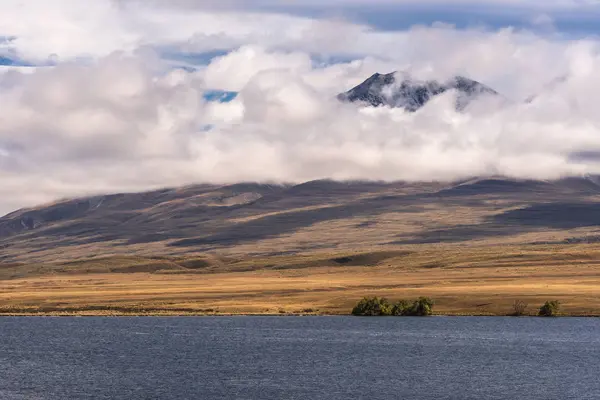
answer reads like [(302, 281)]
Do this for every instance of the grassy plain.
[(462, 279)]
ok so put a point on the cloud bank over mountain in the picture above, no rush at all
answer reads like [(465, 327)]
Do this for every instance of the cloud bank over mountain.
[(110, 96)]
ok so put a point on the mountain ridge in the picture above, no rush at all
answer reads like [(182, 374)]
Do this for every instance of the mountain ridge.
[(411, 94)]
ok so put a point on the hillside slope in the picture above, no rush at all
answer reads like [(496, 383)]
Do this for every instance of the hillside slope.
[(256, 219)]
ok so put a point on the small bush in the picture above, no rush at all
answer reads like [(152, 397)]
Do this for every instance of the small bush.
[(372, 307), (422, 307), (519, 308), (550, 309), (401, 308)]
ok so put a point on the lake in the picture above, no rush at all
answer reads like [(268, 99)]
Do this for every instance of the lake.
[(299, 358)]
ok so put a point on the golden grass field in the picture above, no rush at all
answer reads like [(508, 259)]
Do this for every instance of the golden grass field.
[(462, 279)]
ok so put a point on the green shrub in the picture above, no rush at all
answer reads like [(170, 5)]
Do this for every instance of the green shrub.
[(550, 309), (421, 307), (375, 306), (372, 306), (401, 308)]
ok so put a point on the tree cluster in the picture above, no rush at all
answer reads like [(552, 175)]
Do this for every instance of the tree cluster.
[(376, 306)]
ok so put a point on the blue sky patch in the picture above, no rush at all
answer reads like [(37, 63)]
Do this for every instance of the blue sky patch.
[(220, 96)]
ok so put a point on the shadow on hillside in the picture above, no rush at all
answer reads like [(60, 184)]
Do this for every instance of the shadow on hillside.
[(553, 215), (536, 217), (276, 225), (463, 233)]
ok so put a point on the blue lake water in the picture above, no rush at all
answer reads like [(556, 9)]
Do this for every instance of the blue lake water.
[(299, 358)]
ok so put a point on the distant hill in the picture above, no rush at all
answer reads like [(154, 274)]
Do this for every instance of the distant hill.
[(396, 90), (251, 218)]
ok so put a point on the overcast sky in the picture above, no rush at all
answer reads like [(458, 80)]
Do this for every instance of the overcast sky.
[(108, 96)]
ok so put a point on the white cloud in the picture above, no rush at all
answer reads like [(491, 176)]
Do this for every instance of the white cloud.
[(257, 4), (233, 71), (72, 29), (120, 122)]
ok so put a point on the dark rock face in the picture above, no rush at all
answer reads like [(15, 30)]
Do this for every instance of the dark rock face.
[(387, 90)]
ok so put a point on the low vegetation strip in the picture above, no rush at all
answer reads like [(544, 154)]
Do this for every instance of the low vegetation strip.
[(368, 307), (423, 306)]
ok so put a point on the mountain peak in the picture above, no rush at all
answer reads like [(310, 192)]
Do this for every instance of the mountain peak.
[(411, 94)]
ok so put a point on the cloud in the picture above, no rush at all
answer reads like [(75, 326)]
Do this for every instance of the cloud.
[(241, 4), (225, 72), (65, 30), (113, 116)]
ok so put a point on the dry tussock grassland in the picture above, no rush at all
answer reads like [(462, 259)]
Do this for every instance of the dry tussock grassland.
[(462, 279)]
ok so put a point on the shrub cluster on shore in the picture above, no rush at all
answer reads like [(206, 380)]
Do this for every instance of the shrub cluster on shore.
[(549, 309), (423, 306), (376, 306)]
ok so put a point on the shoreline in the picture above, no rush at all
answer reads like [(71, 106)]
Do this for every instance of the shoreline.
[(167, 313)]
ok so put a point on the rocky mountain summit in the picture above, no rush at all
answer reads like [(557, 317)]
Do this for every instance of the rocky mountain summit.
[(402, 91)]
